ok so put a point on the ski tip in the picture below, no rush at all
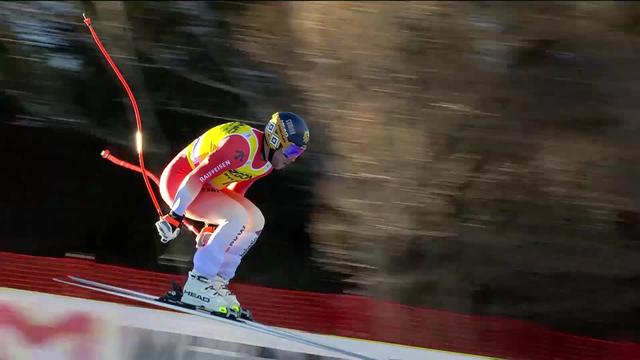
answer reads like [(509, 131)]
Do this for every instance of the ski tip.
[(61, 281), (65, 279)]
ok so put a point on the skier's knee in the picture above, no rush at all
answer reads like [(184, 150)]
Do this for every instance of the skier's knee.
[(257, 221)]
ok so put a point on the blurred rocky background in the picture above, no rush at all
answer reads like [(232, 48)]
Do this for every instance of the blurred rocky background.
[(477, 157)]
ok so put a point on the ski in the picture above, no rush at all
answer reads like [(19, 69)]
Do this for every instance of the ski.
[(172, 297), (174, 304)]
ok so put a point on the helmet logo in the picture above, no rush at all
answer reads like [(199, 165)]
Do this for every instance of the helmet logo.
[(272, 137), (270, 127), (290, 129), (305, 137), (274, 141)]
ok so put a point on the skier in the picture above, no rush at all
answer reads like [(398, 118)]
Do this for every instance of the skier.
[(207, 181)]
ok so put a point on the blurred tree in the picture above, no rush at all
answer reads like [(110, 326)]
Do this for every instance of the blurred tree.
[(474, 156)]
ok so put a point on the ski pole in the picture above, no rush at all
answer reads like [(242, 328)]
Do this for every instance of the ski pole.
[(145, 174), (106, 154)]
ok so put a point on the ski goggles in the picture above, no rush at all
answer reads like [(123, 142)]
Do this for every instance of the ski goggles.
[(292, 151)]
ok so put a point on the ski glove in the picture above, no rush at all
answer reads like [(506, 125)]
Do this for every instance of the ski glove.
[(169, 226)]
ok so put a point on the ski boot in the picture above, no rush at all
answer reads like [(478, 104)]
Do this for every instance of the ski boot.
[(200, 293), (222, 287)]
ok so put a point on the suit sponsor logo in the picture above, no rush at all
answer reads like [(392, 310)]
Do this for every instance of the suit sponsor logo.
[(253, 241), (235, 238), (232, 127), (215, 170), (236, 176)]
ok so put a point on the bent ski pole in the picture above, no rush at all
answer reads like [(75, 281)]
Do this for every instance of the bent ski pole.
[(145, 174), (106, 154)]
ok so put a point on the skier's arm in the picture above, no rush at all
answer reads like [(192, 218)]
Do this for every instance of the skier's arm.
[(231, 154)]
